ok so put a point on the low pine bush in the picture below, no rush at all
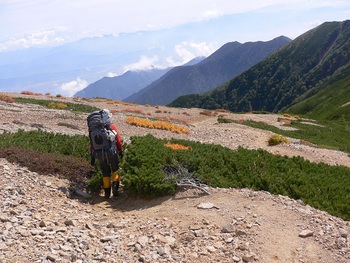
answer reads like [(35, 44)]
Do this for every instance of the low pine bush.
[(53, 154), (326, 134), (320, 185), (77, 146), (75, 169), (148, 161)]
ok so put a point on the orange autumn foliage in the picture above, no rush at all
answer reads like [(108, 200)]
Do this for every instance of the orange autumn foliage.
[(176, 146), (161, 125)]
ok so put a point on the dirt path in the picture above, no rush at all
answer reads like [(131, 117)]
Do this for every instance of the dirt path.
[(41, 220)]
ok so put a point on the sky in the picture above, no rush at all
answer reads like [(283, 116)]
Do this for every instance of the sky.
[(52, 22), (199, 26)]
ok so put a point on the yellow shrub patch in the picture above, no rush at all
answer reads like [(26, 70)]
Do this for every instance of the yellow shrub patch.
[(161, 125), (277, 139), (57, 105)]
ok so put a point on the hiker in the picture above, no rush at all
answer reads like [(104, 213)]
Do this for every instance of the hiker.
[(105, 146)]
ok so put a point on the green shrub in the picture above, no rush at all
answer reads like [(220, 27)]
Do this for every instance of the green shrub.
[(94, 183), (323, 186), (277, 139), (76, 107), (77, 146), (147, 163), (327, 134), (225, 120)]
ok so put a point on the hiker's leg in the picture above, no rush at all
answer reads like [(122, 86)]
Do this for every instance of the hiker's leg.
[(106, 173), (114, 160)]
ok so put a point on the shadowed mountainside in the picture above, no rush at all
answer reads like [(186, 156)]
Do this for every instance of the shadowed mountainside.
[(227, 62)]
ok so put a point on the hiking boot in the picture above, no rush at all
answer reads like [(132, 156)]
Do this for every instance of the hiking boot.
[(115, 187), (107, 193)]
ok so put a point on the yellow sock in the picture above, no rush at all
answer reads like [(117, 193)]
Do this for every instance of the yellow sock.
[(106, 182), (115, 177)]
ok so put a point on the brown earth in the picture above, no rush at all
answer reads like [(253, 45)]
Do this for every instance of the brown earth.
[(42, 220)]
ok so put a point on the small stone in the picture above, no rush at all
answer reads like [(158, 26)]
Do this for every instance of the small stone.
[(211, 249), (236, 259), (89, 226), (111, 225), (108, 238), (62, 229), (35, 232), (82, 193), (343, 233), (143, 241), (200, 233), (65, 248), (69, 223), (166, 239), (137, 248), (108, 248), (42, 224), (206, 206), (163, 251), (241, 233), (24, 233), (306, 233), (13, 212), (250, 257), (51, 257), (229, 240), (243, 246), (228, 229), (195, 227)]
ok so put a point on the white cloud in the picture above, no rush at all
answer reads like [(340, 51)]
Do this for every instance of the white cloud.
[(211, 13), (313, 24), (48, 37), (144, 63), (93, 17), (188, 50), (70, 88), (112, 74), (184, 52)]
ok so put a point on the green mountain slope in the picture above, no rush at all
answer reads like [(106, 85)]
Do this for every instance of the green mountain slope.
[(296, 72), (331, 103)]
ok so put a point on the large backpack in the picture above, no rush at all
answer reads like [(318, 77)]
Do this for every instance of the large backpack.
[(99, 132)]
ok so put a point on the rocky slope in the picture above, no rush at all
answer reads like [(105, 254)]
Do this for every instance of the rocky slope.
[(42, 219)]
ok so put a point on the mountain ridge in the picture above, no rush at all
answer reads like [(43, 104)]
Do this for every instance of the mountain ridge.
[(228, 61), (295, 72), (122, 86)]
